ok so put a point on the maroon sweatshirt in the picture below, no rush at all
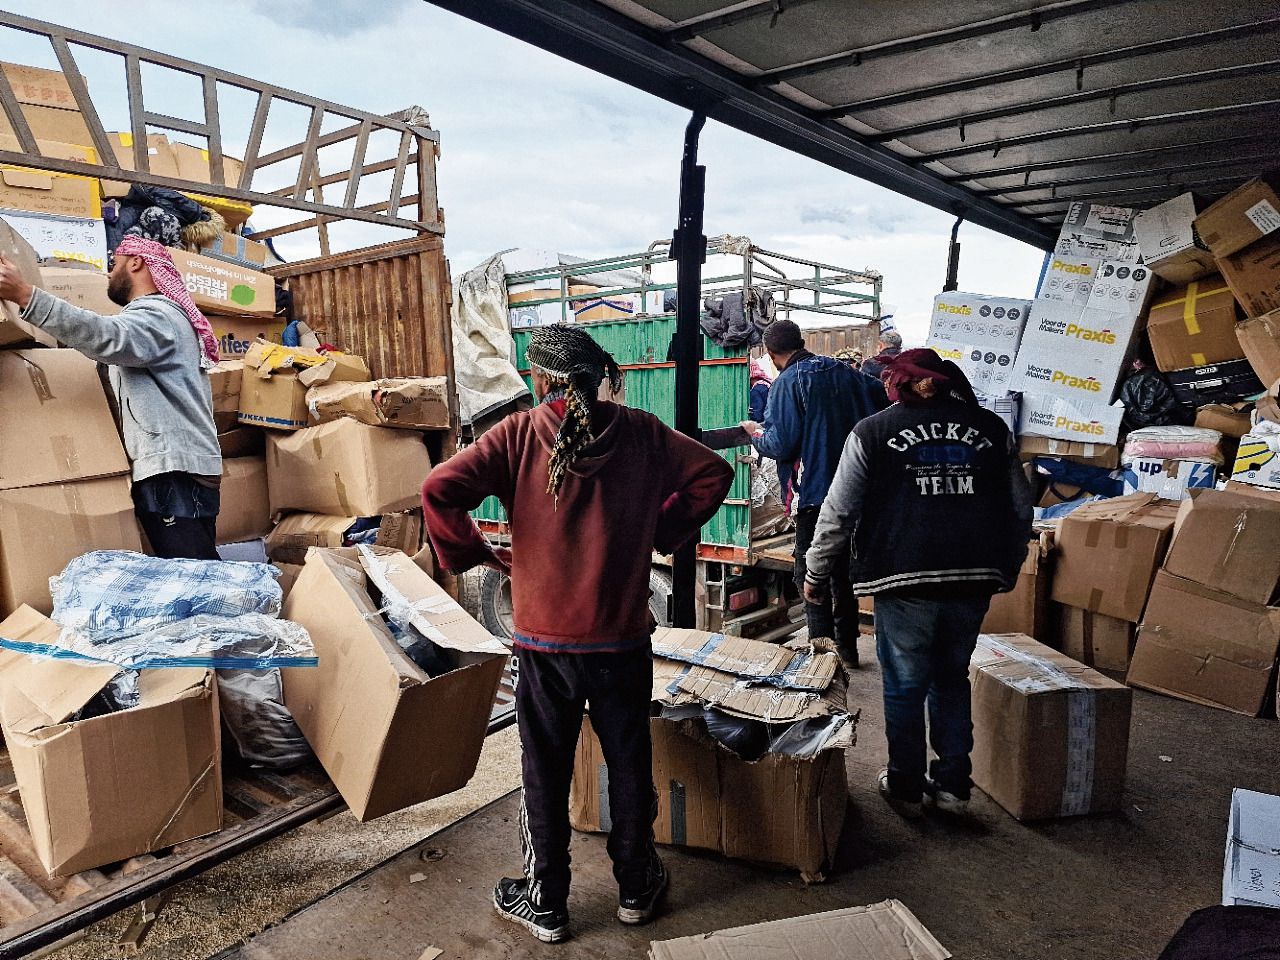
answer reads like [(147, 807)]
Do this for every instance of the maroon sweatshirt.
[(580, 570)]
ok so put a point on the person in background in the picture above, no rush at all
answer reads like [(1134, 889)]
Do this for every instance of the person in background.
[(936, 504), (813, 405), (158, 350), (592, 489), (890, 345), (760, 382)]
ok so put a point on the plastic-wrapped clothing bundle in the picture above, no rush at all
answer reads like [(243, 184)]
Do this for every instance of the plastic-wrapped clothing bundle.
[(1176, 443), (264, 731)]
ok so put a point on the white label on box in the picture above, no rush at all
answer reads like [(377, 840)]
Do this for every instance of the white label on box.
[(1264, 216), (1061, 419), (62, 238)]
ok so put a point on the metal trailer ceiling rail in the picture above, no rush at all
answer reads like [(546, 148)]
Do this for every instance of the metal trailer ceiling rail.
[(404, 144), (998, 111)]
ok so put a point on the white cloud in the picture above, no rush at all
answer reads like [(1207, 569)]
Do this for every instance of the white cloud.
[(542, 153)]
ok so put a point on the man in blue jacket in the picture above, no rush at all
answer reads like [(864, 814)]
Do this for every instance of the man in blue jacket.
[(813, 406)]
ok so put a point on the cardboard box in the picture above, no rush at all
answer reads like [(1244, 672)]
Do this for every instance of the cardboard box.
[(1228, 542), (1251, 868), (1093, 454), (116, 786), (1068, 281), (55, 420), (1073, 375), (1202, 645), (193, 164), (1109, 552), (1095, 639), (1224, 382), (410, 403), (58, 194), (1059, 418), (1170, 245), (1051, 736), (51, 123), (1084, 332), (779, 809), (1170, 479), (1100, 232), (224, 381), (242, 441), (289, 573), (245, 513), (237, 335), (1248, 490), (273, 389), (160, 160), (1253, 275), (43, 528), (1231, 420), (57, 240), (595, 309), (226, 288), (80, 287), (389, 735), (237, 249), (1194, 326), (1258, 460), (1242, 217), (1025, 609), (1006, 406), (13, 329), (1260, 341), (1120, 288), (522, 314), (296, 533), (989, 369), (975, 319), (346, 468), (882, 931), (39, 86)]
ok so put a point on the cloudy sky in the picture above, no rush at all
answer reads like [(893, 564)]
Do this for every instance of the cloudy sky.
[(537, 152)]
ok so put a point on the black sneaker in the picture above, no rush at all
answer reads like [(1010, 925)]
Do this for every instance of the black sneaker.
[(908, 809), (640, 908), (512, 900)]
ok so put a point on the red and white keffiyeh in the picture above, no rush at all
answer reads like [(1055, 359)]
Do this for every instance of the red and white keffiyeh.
[(165, 275)]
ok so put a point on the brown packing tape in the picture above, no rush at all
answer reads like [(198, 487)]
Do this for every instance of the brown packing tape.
[(340, 490), (1095, 599), (1122, 537), (1093, 534), (39, 382)]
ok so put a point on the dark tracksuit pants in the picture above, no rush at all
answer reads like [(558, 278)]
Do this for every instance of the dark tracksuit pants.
[(836, 618), (179, 515), (551, 692)]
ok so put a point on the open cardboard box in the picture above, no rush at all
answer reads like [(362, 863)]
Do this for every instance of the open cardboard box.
[(388, 734), (275, 380), (116, 786)]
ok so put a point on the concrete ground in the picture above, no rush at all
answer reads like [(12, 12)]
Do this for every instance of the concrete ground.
[(233, 901), (1114, 886)]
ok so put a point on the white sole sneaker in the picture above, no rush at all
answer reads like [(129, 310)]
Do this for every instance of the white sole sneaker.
[(545, 934), (945, 802), (635, 916)]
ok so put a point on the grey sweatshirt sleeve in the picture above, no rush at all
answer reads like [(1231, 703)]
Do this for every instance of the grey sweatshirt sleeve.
[(138, 337), (841, 511), (1023, 512)]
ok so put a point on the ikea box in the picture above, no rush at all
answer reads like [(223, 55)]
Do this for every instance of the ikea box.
[(1061, 418), (118, 785), (1050, 735), (389, 734), (1251, 871)]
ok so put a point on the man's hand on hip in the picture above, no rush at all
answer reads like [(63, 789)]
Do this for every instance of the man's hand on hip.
[(816, 592), (501, 560), (12, 285)]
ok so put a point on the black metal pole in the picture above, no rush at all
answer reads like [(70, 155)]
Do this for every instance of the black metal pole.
[(689, 250), (953, 258)]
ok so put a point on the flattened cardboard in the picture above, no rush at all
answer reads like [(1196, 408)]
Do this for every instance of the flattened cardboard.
[(1242, 217), (1025, 609), (778, 810), (1228, 542), (1260, 342), (1095, 639), (346, 468), (13, 329), (273, 391), (86, 289), (226, 288), (1253, 274), (55, 420), (1251, 867), (1206, 646), (1170, 245), (388, 735), (44, 528), (245, 513), (1194, 325), (1231, 420), (1051, 736), (117, 786), (59, 194), (1109, 551), (881, 931), (1093, 454), (409, 403)]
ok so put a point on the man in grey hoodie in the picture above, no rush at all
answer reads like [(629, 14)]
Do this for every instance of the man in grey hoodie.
[(156, 349)]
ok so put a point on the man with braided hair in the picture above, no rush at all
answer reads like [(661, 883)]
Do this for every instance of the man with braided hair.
[(591, 488)]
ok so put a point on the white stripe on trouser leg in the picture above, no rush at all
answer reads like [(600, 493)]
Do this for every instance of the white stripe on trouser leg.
[(530, 857)]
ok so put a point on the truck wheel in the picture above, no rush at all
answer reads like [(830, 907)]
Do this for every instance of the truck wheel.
[(486, 595), (660, 596)]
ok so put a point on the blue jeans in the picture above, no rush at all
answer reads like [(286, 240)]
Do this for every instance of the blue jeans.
[(924, 648)]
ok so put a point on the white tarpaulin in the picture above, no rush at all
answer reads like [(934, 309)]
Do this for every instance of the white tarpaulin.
[(482, 345)]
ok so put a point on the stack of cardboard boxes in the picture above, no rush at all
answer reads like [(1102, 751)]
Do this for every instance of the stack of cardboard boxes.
[(981, 334)]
